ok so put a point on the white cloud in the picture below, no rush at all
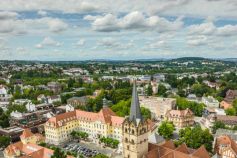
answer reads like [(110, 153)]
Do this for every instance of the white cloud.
[(87, 7), (210, 29), (10, 24), (57, 25), (157, 44), (227, 30), (42, 13), (111, 43), (8, 15), (204, 29), (221, 8), (81, 42), (197, 40), (133, 21), (48, 41)]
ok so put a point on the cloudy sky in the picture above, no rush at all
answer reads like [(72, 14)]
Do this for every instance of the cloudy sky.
[(117, 29)]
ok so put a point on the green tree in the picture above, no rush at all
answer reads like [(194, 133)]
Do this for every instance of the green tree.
[(217, 125), (58, 153), (166, 129), (100, 156), (149, 90), (196, 108), (4, 141), (146, 113), (195, 137), (230, 111), (122, 108), (161, 90)]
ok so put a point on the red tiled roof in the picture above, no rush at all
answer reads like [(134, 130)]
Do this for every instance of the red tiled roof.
[(179, 113), (26, 133), (106, 115), (225, 140), (168, 150)]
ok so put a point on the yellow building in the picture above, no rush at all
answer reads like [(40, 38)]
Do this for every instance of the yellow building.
[(104, 123), (180, 118)]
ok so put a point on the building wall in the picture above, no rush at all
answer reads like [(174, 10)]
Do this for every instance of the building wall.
[(95, 130), (181, 121), (135, 142)]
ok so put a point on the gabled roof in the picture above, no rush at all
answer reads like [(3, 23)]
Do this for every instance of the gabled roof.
[(226, 140), (201, 152), (179, 113), (168, 150), (183, 148)]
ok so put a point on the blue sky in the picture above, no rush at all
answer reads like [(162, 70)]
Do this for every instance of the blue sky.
[(124, 30)]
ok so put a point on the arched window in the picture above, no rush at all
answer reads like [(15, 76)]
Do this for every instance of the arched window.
[(126, 140), (133, 131), (128, 147), (132, 141), (126, 130)]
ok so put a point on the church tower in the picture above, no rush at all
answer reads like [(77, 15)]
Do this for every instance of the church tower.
[(135, 130)]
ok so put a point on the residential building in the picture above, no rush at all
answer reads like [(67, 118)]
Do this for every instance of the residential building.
[(41, 98), (231, 133), (225, 147), (229, 121), (169, 150), (55, 87), (77, 101), (194, 98), (28, 148), (28, 120), (231, 95), (210, 102), (53, 99), (13, 132), (157, 105), (4, 96), (180, 118), (154, 86), (159, 77)]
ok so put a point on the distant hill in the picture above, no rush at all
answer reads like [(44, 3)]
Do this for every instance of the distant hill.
[(190, 58)]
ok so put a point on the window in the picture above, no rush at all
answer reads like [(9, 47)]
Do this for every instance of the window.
[(126, 140), (133, 131), (132, 141), (126, 130)]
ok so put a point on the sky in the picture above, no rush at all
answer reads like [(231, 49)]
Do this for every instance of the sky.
[(117, 29)]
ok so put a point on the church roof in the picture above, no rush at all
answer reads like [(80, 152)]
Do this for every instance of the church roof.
[(135, 110)]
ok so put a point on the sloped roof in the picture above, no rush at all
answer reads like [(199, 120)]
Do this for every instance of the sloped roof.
[(135, 110), (201, 152), (105, 115), (26, 133), (179, 113), (168, 150)]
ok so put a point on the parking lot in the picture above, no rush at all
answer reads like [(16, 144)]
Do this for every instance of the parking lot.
[(87, 149), (79, 149)]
